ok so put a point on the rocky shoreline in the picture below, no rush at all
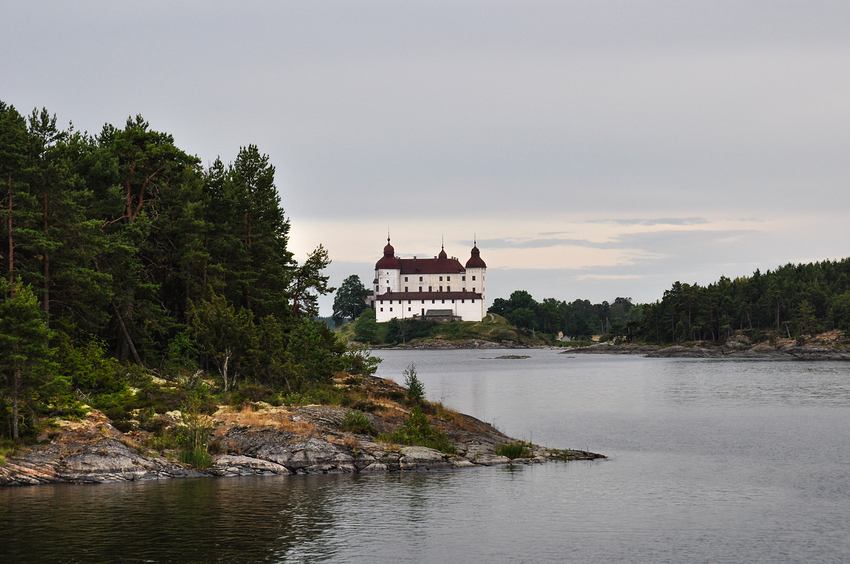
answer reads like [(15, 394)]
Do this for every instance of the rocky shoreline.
[(826, 346), (443, 345), (260, 440)]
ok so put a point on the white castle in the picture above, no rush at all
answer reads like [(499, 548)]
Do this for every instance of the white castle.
[(439, 288)]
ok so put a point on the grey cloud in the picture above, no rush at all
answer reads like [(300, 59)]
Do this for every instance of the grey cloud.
[(653, 222), (654, 241)]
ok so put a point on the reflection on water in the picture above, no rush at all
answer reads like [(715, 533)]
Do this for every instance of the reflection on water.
[(710, 461)]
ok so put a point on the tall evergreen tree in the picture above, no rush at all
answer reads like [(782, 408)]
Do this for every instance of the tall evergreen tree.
[(26, 363)]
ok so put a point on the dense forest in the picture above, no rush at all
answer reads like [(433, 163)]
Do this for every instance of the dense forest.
[(578, 319), (793, 301), (121, 253)]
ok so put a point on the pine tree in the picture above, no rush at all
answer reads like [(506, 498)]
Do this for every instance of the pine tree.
[(26, 363)]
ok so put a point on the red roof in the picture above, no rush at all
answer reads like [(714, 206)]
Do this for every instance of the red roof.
[(475, 260), (441, 264), (431, 266), (388, 261)]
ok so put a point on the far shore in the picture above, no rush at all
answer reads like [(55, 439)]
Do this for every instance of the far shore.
[(832, 345)]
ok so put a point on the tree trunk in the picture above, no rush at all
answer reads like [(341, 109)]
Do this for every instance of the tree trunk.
[(127, 340), (224, 368), (11, 240), (45, 305), (15, 388)]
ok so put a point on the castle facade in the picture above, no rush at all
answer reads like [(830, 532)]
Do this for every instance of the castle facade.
[(439, 288)]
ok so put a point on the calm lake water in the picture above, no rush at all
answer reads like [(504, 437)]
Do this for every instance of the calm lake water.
[(710, 461)]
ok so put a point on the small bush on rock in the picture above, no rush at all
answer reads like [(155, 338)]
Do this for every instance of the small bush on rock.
[(417, 430), (415, 387), (514, 450), (355, 421)]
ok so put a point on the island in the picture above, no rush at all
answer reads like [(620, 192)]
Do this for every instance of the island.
[(257, 438)]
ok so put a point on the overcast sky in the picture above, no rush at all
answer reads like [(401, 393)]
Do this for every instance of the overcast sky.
[(596, 149)]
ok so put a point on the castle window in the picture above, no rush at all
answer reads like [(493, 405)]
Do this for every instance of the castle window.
[(433, 301), (473, 300), (382, 303), (408, 301), (444, 301), (462, 301), (473, 278), (382, 309), (448, 288), (441, 288), (420, 279), (391, 309), (463, 278), (377, 288), (405, 288), (441, 278), (405, 278), (408, 309), (420, 288), (464, 290), (453, 301), (473, 288), (448, 278)]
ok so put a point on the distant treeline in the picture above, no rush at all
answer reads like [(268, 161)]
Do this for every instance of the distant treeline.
[(578, 319), (120, 247), (793, 300)]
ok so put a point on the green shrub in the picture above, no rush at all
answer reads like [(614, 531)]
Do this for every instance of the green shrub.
[(355, 421), (194, 435), (415, 387), (514, 450), (417, 430), (162, 443), (366, 406), (250, 392), (90, 369), (197, 457), (359, 360)]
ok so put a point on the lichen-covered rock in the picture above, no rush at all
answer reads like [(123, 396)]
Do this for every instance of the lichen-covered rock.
[(238, 465)]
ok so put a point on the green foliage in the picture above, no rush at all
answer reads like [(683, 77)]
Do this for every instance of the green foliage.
[(89, 368), (251, 392), (514, 450), (404, 330), (417, 430), (182, 353), (194, 435), (577, 319), (137, 257), (415, 388), (358, 360), (355, 421), (350, 300), (28, 370), (366, 327), (793, 300), (224, 334)]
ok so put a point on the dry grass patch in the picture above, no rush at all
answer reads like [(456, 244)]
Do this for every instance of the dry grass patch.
[(273, 418), (304, 428), (351, 442)]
